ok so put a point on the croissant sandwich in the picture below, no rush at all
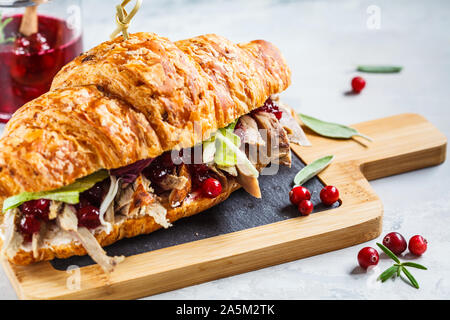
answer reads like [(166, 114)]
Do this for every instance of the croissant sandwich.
[(135, 134)]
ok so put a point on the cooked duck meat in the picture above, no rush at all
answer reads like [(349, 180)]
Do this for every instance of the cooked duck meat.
[(142, 195), (131, 196), (123, 199), (95, 251), (277, 148), (247, 130), (55, 208), (172, 181), (137, 199), (13, 239), (182, 188), (250, 184), (109, 214), (36, 240), (218, 174), (290, 125), (68, 221)]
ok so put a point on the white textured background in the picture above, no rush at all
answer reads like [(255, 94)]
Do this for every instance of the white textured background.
[(323, 41)]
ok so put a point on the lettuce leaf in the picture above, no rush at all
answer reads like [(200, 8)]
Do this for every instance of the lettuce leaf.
[(68, 194), (223, 149), (240, 156), (225, 156)]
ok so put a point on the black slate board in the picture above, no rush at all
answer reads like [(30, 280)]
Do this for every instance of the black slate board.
[(240, 211)]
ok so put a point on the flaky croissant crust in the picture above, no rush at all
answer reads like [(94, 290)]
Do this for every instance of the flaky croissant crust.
[(124, 101)]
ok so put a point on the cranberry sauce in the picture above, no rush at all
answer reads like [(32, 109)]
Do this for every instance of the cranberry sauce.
[(168, 163), (270, 106), (28, 64), (34, 213)]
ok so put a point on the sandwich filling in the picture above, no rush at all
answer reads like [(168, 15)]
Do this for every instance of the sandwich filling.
[(150, 187)]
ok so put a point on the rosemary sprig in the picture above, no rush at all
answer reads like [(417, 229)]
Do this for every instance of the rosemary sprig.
[(399, 267), (3, 24)]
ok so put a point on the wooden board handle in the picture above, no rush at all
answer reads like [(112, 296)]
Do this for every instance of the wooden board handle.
[(401, 143)]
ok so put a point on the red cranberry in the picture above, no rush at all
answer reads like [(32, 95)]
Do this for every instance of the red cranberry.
[(368, 257), (211, 188), (299, 193), (417, 245), (38, 208), (358, 83), (270, 106), (88, 217), (329, 195), (29, 224), (35, 43), (395, 242), (305, 207)]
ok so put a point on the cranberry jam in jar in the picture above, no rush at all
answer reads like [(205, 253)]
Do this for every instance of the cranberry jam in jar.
[(29, 63)]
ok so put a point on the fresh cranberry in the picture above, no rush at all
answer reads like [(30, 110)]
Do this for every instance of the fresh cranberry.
[(305, 207), (89, 217), (211, 188), (29, 224), (358, 83), (329, 195), (270, 106), (368, 257), (417, 245), (37, 208), (395, 242), (299, 193)]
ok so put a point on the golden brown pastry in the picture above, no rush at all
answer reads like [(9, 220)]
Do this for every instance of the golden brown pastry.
[(122, 102)]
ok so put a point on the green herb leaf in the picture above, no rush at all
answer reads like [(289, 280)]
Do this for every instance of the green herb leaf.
[(388, 273), (312, 169), (330, 129), (379, 69), (3, 24), (388, 252), (410, 277), (68, 194), (414, 265)]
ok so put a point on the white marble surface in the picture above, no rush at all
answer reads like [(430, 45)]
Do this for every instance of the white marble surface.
[(323, 41)]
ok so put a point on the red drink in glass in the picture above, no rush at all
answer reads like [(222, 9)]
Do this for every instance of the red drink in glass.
[(28, 64)]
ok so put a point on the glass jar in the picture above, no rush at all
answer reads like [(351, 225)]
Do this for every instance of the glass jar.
[(29, 63)]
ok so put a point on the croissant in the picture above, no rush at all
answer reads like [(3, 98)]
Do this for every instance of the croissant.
[(123, 102)]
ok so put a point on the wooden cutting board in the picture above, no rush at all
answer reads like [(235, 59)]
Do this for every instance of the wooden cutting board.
[(223, 241)]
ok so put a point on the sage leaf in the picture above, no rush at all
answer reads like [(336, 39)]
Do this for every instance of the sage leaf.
[(410, 277), (312, 170), (414, 265), (330, 129), (379, 69), (388, 252), (388, 273)]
